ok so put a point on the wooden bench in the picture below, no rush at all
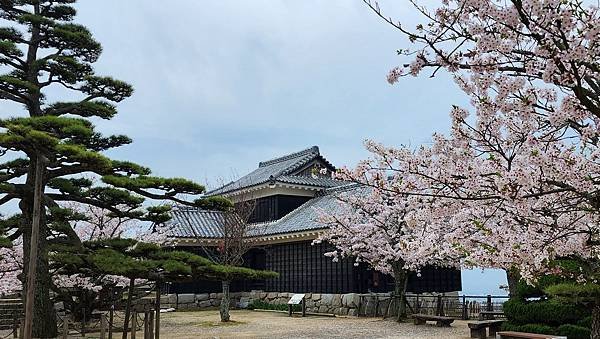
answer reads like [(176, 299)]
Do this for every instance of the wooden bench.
[(421, 319), (479, 328), (523, 335)]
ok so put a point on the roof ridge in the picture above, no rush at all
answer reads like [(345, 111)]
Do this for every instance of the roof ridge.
[(310, 150)]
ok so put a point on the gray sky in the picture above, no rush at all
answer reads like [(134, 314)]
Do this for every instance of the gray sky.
[(221, 85)]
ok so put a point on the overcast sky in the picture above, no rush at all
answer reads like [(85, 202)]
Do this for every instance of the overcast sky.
[(221, 85)]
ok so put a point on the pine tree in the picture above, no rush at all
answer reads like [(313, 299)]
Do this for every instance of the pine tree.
[(41, 49)]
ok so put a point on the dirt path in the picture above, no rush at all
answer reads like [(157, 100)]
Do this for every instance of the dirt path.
[(251, 324)]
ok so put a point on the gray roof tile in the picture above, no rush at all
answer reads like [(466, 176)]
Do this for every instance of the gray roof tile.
[(279, 169), (205, 224)]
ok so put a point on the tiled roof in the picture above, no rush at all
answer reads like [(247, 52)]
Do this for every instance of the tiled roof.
[(280, 170), (190, 222), (303, 218)]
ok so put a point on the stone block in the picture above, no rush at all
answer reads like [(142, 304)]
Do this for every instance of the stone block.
[(172, 299), (350, 300), (272, 295), (353, 312), (323, 309), (341, 311), (336, 300), (186, 298), (326, 299), (284, 295), (202, 297), (262, 295), (215, 302), (205, 304), (213, 295), (316, 296), (244, 302), (164, 299), (187, 306)]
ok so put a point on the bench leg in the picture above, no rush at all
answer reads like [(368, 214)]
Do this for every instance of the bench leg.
[(419, 321), (478, 333)]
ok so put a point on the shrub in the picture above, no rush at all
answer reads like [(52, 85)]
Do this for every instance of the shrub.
[(574, 331), (529, 328), (550, 312), (585, 322), (525, 290), (538, 328), (263, 305)]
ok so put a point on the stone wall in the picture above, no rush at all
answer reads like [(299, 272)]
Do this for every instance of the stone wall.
[(339, 304)]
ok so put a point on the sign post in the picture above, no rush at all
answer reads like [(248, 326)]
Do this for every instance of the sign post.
[(297, 299)]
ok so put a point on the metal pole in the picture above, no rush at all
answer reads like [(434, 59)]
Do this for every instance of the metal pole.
[(33, 243)]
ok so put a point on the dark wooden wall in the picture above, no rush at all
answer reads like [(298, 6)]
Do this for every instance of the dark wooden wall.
[(275, 207), (303, 267)]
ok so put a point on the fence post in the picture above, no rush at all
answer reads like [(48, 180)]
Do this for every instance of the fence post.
[(157, 306), (15, 325), (417, 306), (145, 324), (490, 307), (465, 314), (133, 324), (65, 328), (103, 326), (110, 320), (151, 325), (83, 324)]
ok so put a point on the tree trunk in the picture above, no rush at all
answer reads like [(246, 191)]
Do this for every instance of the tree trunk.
[(225, 300), (128, 308), (512, 278), (595, 322), (400, 281), (44, 316)]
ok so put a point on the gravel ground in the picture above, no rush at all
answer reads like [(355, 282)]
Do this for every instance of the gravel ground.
[(253, 324)]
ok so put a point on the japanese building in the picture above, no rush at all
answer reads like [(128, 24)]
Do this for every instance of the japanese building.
[(287, 192)]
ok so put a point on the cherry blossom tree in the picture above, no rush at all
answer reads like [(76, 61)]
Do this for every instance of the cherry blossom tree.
[(515, 182), (380, 228)]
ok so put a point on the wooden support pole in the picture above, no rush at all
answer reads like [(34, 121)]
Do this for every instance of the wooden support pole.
[(22, 329), (103, 326), (157, 306), (133, 324), (65, 328), (151, 325), (128, 307), (146, 325), (15, 325), (110, 320), (303, 307), (83, 324), (38, 191)]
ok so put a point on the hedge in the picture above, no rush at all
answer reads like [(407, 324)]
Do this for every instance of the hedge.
[(568, 330), (550, 312), (263, 305), (574, 331)]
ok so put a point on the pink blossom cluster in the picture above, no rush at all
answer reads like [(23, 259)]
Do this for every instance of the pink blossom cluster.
[(514, 184)]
